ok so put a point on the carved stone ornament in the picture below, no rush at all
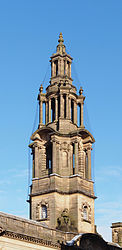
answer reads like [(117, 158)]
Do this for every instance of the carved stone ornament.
[(64, 146), (64, 222), (80, 145)]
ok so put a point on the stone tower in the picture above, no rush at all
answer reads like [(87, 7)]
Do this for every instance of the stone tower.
[(117, 233), (62, 189)]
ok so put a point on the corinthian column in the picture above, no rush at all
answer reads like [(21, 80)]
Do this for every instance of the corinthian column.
[(41, 113), (61, 106), (46, 113), (52, 69), (75, 112), (81, 114)]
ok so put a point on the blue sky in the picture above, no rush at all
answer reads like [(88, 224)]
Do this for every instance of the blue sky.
[(93, 36)]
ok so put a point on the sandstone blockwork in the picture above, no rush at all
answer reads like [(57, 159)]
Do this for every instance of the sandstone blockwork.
[(62, 192)]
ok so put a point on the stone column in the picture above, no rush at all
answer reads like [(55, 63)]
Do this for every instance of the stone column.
[(81, 114), (76, 157), (41, 112), (66, 68), (61, 106), (62, 67), (56, 108), (59, 67), (67, 106), (89, 163), (49, 110), (70, 70), (52, 69), (36, 161), (46, 112)]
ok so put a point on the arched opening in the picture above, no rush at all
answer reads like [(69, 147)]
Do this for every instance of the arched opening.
[(56, 67), (43, 212), (52, 109), (64, 68), (72, 110), (58, 106), (68, 66), (73, 158), (64, 96), (78, 115), (85, 213), (49, 158)]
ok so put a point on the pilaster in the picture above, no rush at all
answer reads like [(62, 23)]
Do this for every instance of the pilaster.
[(41, 112), (81, 114), (46, 115), (61, 106)]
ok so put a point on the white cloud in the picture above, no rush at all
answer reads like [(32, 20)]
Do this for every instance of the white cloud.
[(109, 171), (105, 232)]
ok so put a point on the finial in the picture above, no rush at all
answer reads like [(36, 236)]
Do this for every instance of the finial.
[(61, 46), (41, 88), (81, 91), (60, 40)]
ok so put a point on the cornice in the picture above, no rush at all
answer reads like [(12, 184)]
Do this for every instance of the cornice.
[(64, 193), (30, 239)]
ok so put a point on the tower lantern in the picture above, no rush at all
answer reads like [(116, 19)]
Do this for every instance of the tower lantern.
[(62, 189)]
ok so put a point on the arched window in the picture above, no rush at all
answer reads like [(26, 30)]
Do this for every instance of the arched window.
[(79, 114), (68, 66), (73, 158), (43, 212), (49, 158), (85, 213), (64, 96), (52, 109), (56, 67), (72, 111)]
